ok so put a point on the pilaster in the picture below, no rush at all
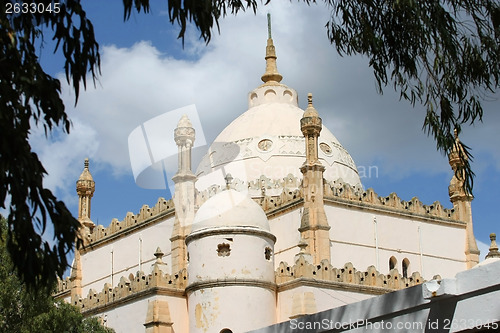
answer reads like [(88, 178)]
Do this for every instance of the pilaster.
[(158, 318), (76, 276)]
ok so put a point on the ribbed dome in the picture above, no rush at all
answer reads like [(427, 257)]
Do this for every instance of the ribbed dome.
[(230, 209), (267, 140)]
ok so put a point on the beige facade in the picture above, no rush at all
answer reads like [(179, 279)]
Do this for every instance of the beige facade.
[(273, 225)]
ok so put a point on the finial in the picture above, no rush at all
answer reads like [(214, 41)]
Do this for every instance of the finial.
[(269, 26), (302, 246), (455, 133), (85, 175), (158, 254), (229, 180), (159, 264), (310, 99), (271, 74), (310, 111), (493, 253), (303, 252), (184, 122)]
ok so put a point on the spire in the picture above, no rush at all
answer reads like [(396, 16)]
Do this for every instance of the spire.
[(85, 187), (493, 253), (271, 75)]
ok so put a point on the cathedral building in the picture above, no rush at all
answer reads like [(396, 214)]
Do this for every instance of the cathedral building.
[(274, 224)]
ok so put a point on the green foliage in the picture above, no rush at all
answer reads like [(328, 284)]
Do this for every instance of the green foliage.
[(28, 95), (27, 311), (64, 317)]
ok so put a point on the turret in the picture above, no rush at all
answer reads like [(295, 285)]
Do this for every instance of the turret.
[(231, 266)]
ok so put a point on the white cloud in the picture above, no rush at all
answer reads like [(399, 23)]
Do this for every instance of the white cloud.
[(61, 154)]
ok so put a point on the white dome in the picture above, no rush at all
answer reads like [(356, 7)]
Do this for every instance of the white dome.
[(230, 209), (267, 140)]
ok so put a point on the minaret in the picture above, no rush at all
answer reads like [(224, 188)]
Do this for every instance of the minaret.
[(462, 200), (314, 226), (85, 187), (184, 195), (271, 76)]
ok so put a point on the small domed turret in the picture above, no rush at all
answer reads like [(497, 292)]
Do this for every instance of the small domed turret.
[(231, 262)]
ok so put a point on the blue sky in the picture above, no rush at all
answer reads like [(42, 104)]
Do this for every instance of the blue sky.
[(146, 72)]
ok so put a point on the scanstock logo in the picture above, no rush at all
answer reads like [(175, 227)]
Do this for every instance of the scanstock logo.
[(153, 152)]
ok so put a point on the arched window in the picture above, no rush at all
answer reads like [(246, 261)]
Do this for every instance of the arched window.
[(406, 267), (226, 330), (392, 263)]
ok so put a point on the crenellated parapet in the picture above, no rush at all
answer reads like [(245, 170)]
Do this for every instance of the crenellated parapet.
[(206, 194), (63, 288), (275, 194), (265, 186), (345, 275), (136, 285), (270, 193), (339, 191), (145, 215)]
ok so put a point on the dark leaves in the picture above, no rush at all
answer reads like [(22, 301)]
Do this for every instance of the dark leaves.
[(27, 95), (441, 54), (205, 14)]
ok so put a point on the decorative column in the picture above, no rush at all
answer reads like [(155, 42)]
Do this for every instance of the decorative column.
[(184, 194), (462, 201), (314, 226)]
